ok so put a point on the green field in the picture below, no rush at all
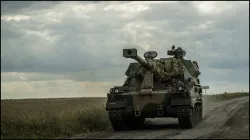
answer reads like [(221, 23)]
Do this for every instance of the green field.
[(55, 118)]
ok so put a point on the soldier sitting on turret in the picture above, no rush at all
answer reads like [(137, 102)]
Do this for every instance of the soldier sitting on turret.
[(174, 66), (163, 71)]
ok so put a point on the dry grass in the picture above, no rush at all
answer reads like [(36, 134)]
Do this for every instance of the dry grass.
[(225, 96), (53, 118)]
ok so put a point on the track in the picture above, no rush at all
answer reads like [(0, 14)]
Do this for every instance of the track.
[(215, 117)]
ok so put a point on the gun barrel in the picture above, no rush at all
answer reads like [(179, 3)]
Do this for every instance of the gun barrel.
[(132, 53), (143, 62)]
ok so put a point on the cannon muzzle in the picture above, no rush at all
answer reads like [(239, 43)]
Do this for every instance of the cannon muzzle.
[(129, 53), (132, 53)]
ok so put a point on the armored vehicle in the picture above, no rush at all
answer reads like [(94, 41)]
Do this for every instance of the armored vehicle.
[(165, 87)]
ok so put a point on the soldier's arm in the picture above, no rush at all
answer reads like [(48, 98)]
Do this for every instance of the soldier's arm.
[(166, 71)]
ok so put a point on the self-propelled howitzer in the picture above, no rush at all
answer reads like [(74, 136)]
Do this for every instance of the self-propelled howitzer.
[(165, 87)]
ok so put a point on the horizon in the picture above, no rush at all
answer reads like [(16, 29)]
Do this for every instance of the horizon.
[(207, 94)]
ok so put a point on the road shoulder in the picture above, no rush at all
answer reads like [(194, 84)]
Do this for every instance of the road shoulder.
[(237, 127)]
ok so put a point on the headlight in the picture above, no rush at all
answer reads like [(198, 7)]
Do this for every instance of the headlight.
[(180, 88), (116, 90)]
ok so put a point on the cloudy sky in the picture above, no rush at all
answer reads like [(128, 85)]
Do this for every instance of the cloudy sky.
[(74, 49)]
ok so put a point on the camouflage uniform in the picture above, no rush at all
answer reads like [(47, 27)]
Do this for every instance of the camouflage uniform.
[(139, 71), (158, 70), (163, 71), (173, 67)]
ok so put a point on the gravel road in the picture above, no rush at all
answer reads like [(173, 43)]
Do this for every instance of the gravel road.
[(220, 118)]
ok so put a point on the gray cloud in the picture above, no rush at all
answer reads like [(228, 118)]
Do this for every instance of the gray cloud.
[(14, 7), (84, 40)]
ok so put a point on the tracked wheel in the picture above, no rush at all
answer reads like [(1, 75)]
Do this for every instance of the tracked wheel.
[(116, 120), (120, 123), (200, 111), (188, 116)]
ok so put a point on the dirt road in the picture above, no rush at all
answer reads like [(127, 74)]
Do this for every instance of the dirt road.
[(219, 118)]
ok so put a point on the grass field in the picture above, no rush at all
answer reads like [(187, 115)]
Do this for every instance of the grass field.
[(54, 118)]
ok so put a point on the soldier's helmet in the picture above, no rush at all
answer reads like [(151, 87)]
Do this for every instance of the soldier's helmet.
[(180, 53)]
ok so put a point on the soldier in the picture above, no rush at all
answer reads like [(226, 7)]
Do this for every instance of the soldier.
[(174, 66), (171, 67), (178, 67)]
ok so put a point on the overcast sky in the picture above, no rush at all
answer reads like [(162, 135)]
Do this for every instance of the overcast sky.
[(74, 49)]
